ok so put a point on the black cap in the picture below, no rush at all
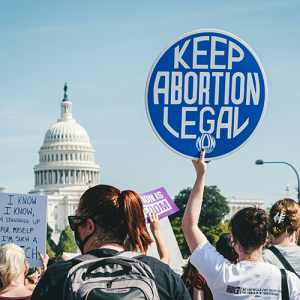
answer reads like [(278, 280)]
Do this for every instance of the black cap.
[(31, 271), (224, 243)]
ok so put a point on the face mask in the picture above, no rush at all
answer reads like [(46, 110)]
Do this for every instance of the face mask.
[(80, 243)]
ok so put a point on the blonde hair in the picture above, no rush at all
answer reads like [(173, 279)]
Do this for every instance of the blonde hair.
[(12, 262), (291, 221), (32, 277)]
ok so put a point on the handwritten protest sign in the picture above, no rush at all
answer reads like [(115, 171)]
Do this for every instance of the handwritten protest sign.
[(158, 201), (23, 222)]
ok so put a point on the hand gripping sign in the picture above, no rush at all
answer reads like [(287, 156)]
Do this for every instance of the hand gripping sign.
[(207, 89)]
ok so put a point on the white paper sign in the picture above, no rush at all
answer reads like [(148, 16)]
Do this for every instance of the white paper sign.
[(176, 260), (23, 222)]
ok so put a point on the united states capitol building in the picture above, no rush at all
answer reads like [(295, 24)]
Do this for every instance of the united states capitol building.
[(66, 168), (236, 204)]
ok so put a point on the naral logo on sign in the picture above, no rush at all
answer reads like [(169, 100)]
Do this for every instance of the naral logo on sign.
[(208, 90)]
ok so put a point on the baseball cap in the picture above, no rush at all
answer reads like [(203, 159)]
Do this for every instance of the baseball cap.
[(224, 243)]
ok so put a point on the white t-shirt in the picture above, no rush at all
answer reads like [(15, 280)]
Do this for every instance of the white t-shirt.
[(245, 280), (291, 254)]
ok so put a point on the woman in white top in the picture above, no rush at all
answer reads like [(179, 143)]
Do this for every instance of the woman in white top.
[(284, 226), (251, 278)]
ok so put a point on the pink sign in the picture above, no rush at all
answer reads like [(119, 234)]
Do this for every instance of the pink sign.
[(158, 201)]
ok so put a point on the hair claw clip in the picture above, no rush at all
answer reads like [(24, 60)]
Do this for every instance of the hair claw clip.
[(279, 218)]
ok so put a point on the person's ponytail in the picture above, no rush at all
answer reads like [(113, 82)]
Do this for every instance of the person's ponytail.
[(138, 236), (117, 215)]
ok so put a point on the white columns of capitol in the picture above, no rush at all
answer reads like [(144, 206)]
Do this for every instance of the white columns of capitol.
[(57, 177)]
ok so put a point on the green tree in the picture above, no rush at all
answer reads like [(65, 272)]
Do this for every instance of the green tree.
[(213, 233), (51, 243), (66, 242), (214, 209), (49, 251), (214, 206), (49, 233)]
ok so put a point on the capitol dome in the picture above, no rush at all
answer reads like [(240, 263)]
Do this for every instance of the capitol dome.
[(67, 132), (66, 158)]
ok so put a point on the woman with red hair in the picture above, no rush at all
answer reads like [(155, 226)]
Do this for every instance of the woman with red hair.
[(105, 219)]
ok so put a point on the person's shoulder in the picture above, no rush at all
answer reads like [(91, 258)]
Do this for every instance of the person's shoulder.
[(61, 265), (293, 284), (160, 270), (154, 263), (293, 277), (169, 284), (269, 256), (287, 249), (267, 252), (202, 248)]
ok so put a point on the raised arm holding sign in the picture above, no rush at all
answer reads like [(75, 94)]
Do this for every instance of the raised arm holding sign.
[(251, 276)]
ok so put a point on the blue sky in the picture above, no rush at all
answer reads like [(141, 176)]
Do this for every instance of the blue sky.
[(104, 51)]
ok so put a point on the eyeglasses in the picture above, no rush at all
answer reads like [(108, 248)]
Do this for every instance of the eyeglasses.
[(73, 221)]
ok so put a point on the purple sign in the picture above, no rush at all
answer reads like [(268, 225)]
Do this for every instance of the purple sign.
[(158, 201)]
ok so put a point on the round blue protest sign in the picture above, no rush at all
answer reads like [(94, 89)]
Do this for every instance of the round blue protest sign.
[(207, 89)]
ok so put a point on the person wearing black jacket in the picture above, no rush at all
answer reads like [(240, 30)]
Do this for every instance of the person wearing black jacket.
[(106, 217)]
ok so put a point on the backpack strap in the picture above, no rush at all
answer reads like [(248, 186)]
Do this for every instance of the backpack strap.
[(284, 286), (130, 254), (136, 255), (282, 259), (89, 256)]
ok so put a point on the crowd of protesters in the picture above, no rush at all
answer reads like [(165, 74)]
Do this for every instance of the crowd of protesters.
[(247, 263)]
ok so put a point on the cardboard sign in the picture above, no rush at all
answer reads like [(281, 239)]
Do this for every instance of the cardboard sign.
[(158, 201), (176, 260), (23, 222), (207, 89)]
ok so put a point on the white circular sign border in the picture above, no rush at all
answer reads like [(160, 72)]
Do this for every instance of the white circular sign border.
[(164, 51)]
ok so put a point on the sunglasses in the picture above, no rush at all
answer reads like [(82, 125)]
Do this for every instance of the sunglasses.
[(73, 221)]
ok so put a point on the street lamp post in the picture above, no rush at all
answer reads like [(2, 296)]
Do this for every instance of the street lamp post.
[(261, 162)]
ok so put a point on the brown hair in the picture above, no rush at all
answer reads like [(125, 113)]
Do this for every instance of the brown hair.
[(188, 275), (291, 222), (249, 227), (118, 215)]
